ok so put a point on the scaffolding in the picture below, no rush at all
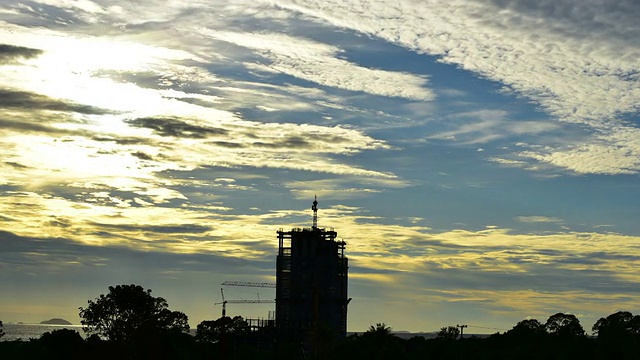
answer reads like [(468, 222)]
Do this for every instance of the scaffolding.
[(311, 282)]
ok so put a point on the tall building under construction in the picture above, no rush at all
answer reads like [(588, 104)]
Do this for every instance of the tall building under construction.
[(311, 281)]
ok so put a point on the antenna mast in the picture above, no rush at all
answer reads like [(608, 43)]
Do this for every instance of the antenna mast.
[(315, 212), (461, 330)]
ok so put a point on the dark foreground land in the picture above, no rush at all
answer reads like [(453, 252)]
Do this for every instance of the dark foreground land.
[(130, 323), (374, 344)]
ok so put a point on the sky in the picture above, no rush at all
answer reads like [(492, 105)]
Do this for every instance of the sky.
[(481, 158)]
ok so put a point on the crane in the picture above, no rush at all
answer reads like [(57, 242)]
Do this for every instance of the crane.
[(249, 284), (225, 302)]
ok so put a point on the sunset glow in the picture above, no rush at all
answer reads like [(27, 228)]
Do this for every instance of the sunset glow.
[(481, 159)]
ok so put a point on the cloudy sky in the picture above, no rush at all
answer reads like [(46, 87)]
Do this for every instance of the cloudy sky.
[(481, 158)]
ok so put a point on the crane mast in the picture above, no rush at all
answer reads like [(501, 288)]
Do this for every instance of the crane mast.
[(224, 303)]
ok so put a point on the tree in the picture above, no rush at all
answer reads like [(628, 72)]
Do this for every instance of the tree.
[(380, 331), (222, 334), (617, 325), (129, 313), (1, 331), (448, 333), (618, 335), (527, 328), (214, 330), (564, 325), (378, 342), (61, 344)]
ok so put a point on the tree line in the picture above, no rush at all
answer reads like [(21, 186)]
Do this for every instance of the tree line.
[(130, 323)]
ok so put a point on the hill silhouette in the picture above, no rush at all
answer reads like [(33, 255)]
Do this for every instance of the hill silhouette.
[(56, 321)]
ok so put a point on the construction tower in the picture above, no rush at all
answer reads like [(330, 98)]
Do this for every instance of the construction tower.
[(311, 283)]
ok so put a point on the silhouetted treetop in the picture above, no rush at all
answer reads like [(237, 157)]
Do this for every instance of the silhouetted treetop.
[(564, 325), (448, 333), (214, 330), (129, 312), (380, 329), (528, 327), (617, 324)]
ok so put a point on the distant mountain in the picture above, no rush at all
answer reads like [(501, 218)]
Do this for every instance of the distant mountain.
[(56, 321)]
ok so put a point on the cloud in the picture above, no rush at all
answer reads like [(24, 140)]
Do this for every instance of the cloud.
[(318, 62), (132, 140), (493, 258), (46, 256), (176, 128), (29, 127), (604, 158), (244, 143), (476, 259), (162, 229), (484, 126), (110, 218), (142, 156), (538, 219), (81, 5), (578, 66), (342, 188), (494, 264), (11, 53), (491, 269), (29, 101)]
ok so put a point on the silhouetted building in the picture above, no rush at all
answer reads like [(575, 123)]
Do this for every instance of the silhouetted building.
[(311, 283)]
